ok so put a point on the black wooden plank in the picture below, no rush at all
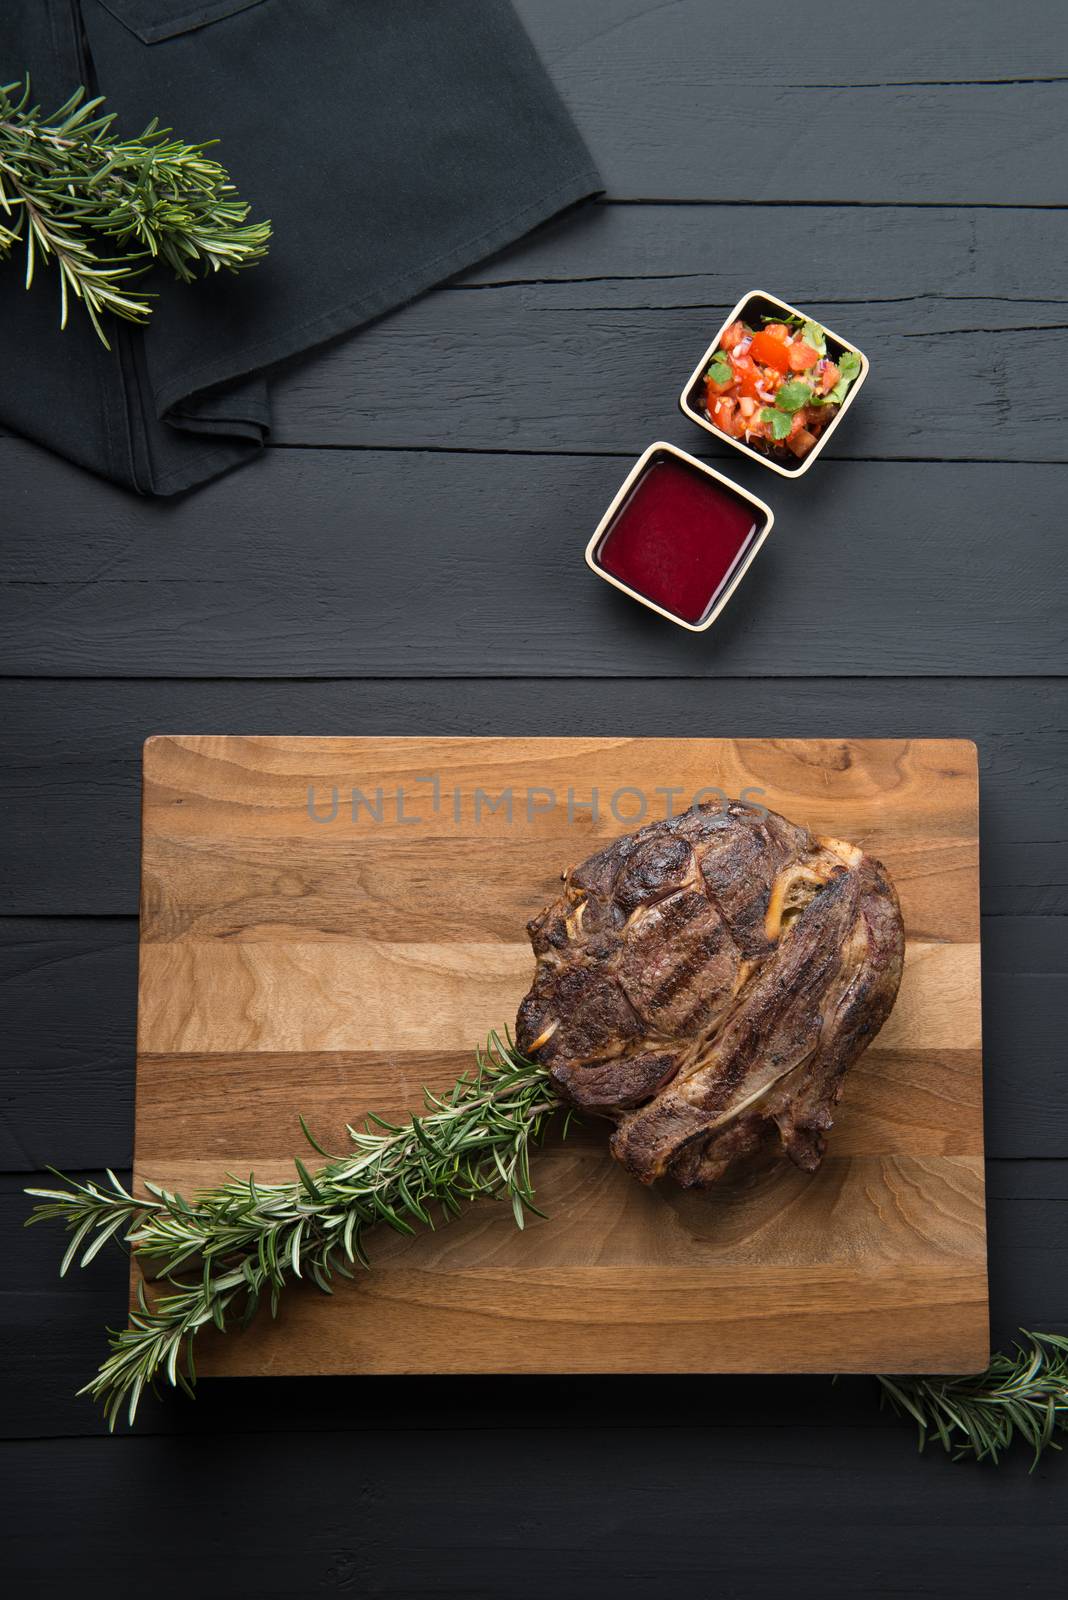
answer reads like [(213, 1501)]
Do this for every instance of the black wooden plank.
[(70, 791), (1025, 1015), (580, 337), (698, 102), (958, 42), (52, 1331), (556, 367), (342, 563), (69, 989), (583, 1514), (70, 1004), (616, 256)]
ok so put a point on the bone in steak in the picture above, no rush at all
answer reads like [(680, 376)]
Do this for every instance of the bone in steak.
[(706, 982)]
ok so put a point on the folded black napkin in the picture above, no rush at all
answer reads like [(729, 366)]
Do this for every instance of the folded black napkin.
[(391, 143)]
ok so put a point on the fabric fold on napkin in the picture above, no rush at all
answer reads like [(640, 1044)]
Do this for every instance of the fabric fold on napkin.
[(392, 145)]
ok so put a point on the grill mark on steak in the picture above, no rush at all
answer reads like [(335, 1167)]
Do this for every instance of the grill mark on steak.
[(680, 965), (739, 867), (706, 982)]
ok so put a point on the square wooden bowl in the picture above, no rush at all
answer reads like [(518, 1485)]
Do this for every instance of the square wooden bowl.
[(763, 511), (751, 307)]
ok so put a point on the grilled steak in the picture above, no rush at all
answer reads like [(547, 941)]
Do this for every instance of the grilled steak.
[(706, 982)]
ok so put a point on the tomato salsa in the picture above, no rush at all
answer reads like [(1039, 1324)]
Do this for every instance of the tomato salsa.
[(776, 386)]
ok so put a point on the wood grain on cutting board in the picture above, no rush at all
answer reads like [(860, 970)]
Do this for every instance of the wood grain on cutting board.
[(302, 953)]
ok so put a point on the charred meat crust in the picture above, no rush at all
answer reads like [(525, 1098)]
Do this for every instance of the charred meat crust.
[(707, 982)]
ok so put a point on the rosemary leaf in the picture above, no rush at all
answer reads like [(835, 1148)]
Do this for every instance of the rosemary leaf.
[(1022, 1394), (220, 1251), (68, 181), (243, 1240)]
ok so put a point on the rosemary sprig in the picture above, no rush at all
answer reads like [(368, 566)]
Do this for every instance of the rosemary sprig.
[(1021, 1394), (65, 179), (228, 1247)]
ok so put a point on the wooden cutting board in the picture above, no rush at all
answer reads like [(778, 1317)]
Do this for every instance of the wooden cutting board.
[(297, 957)]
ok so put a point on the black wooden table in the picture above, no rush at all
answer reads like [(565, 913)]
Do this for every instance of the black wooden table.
[(406, 558)]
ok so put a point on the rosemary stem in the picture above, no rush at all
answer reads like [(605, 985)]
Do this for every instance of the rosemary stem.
[(216, 1256), (66, 183)]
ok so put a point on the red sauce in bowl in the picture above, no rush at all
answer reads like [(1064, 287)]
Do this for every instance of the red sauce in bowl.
[(678, 538)]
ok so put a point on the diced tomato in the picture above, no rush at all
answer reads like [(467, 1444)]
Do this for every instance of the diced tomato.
[(802, 356), (733, 335), (747, 376), (829, 376), (778, 330), (771, 351), (727, 418), (713, 390)]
